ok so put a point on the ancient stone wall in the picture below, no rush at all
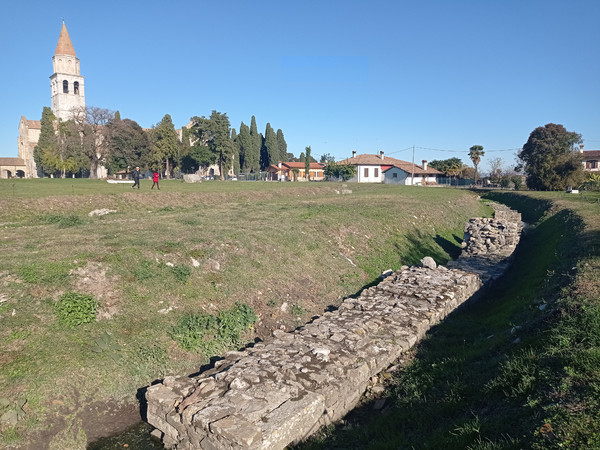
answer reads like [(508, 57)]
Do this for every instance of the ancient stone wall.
[(282, 390)]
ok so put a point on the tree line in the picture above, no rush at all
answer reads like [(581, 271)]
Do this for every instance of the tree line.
[(97, 136)]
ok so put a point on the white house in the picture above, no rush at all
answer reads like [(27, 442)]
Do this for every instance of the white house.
[(383, 169), (591, 159)]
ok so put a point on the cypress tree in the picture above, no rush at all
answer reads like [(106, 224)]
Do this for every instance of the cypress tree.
[(272, 155), (235, 152), (245, 147), (307, 163), (47, 142), (253, 158), (282, 145)]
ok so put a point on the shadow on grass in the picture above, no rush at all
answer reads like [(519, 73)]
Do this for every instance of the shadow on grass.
[(473, 378)]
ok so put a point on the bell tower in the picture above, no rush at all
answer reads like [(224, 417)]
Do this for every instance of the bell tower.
[(66, 82)]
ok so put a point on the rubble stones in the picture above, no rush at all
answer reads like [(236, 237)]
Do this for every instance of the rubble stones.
[(282, 390)]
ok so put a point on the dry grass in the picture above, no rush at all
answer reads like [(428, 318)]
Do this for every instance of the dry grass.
[(289, 250)]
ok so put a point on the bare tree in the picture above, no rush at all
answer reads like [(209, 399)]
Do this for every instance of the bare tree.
[(496, 171), (91, 123)]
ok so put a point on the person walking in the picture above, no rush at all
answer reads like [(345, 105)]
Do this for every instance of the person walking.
[(155, 178), (136, 178)]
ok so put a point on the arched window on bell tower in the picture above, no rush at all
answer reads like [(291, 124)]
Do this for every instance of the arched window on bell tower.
[(76, 88), (65, 87)]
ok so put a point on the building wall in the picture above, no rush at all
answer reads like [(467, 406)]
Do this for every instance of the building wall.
[(369, 174), (28, 139)]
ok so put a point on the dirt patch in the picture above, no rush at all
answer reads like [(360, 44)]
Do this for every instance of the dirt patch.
[(92, 279), (98, 420)]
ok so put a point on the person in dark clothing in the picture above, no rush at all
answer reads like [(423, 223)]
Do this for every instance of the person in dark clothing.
[(136, 178), (155, 178)]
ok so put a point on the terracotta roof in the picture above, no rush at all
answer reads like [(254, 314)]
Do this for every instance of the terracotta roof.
[(11, 162), (590, 154), (64, 46), (301, 165), (34, 124), (376, 160)]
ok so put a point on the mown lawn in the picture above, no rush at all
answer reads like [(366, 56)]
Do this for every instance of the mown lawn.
[(93, 308), (519, 368)]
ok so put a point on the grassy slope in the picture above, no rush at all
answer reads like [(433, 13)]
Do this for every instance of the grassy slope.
[(518, 369), (299, 245)]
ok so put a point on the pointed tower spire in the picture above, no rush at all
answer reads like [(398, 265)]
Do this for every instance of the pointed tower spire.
[(64, 46)]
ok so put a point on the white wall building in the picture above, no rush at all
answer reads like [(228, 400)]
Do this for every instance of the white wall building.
[(383, 169)]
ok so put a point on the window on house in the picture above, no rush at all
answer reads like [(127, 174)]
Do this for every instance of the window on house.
[(65, 87), (394, 175), (366, 172), (376, 174), (76, 88)]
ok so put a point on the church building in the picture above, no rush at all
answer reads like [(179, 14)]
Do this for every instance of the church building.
[(67, 94)]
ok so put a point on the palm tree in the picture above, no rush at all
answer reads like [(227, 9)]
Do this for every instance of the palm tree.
[(475, 153)]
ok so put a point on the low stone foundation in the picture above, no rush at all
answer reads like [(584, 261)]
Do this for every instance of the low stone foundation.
[(284, 389)]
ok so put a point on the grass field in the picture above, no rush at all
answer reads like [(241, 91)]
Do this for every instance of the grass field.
[(518, 369), (93, 308)]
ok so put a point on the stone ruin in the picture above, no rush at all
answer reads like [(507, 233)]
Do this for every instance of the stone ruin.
[(280, 391)]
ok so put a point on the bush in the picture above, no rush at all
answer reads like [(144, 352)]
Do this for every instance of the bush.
[(181, 272), (190, 330), (74, 309), (209, 333)]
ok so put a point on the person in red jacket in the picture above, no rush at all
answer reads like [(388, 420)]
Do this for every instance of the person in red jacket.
[(155, 180)]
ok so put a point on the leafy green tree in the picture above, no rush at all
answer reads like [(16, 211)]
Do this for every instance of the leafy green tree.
[(282, 146), (215, 134), (117, 116), (47, 142), (550, 158), (307, 163), (451, 167), (339, 171), (165, 146), (130, 146), (326, 158), (475, 153)]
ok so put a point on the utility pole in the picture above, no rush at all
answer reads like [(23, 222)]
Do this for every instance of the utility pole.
[(412, 177)]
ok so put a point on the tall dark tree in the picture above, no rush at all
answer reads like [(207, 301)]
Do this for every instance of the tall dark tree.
[(307, 159), (550, 158), (235, 154), (117, 116), (475, 153), (271, 147), (245, 149), (91, 123), (47, 142), (165, 146), (130, 146), (253, 157), (282, 146)]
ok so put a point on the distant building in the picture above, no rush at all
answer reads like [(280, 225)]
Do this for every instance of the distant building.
[(67, 94), (295, 171), (591, 159), (383, 169)]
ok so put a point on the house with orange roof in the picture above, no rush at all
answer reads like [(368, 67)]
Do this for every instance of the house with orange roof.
[(295, 171), (372, 168)]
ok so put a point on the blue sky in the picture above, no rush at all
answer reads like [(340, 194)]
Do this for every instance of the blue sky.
[(336, 75)]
